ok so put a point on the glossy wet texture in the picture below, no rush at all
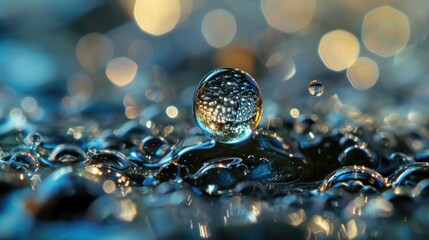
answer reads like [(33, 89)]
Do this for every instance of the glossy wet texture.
[(310, 177)]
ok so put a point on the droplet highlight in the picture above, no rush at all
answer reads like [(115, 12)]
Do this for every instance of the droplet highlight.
[(228, 105)]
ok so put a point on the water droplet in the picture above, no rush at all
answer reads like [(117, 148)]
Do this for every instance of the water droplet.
[(353, 178), (410, 175), (34, 140), (154, 148), (92, 151), (109, 158), (64, 155), (358, 156), (266, 156), (153, 152), (228, 105), (393, 162), (172, 171), (316, 88)]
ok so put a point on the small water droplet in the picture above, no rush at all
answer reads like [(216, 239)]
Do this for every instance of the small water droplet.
[(34, 141), (228, 105), (358, 156), (92, 151), (316, 88)]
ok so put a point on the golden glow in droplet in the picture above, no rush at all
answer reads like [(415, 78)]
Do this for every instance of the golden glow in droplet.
[(288, 15), (363, 74), (219, 28), (121, 71), (294, 112), (385, 31), (339, 49), (172, 112), (157, 17), (94, 51)]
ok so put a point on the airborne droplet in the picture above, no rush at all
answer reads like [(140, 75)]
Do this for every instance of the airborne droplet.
[(316, 88), (228, 105)]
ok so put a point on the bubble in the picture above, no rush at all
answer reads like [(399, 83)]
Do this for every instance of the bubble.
[(358, 156), (153, 151), (316, 88), (154, 147), (228, 105)]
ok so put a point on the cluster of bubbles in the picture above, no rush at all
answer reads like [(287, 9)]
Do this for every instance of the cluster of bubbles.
[(334, 175)]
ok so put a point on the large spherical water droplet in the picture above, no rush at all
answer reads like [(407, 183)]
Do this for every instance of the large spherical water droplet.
[(228, 105), (34, 140), (316, 88)]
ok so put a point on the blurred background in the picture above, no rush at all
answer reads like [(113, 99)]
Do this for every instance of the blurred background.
[(114, 60)]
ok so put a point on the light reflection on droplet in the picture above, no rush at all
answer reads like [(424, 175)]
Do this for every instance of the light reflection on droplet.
[(157, 17), (288, 15), (121, 71), (29, 104), (339, 49), (363, 74), (385, 31), (219, 28), (94, 51), (171, 111)]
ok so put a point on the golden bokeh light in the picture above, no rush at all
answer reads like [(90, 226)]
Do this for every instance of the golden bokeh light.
[(94, 51), (288, 15), (339, 49), (385, 31), (219, 28), (363, 74), (121, 71), (157, 17), (294, 112), (172, 111), (80, 86), (236, 56)]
